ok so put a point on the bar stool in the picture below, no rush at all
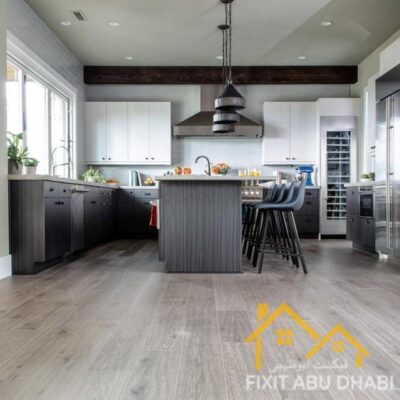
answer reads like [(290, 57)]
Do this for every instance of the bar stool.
[(277, 229)]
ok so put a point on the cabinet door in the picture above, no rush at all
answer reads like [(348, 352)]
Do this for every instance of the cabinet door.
[(96, 132), (276, 133), (138, 132), (160, 133), (92, 221), (125, 213), (303, 132), (117, 132)]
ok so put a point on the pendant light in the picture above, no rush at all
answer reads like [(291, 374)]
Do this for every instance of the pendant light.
[(230, 98), (224, 120)]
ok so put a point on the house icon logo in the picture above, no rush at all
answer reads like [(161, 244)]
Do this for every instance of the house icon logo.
[(337, 336)]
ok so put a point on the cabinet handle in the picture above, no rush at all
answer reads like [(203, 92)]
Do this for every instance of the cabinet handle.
[(104, 204), (147, 158), (51, 189), (103, 158), (152, 158), (293, 158), (93, 202), (109, 158), (373, 147), (287, 158), (308, 202), (147, 194)]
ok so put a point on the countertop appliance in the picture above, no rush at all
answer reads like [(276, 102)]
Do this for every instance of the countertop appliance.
[(308, 171), (338, 167), (387, 164), (366, 201)]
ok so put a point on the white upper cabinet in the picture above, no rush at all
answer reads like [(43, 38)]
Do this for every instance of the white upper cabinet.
[(117, 132), (128, 133), (303, 132), (160, 132), (276, 143), (138, 132), (96, 132), (290, 133)]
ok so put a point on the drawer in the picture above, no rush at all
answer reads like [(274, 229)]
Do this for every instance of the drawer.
[(146, 193), (56, 189), (92, 191), (314, 193), (107, 192), (307, 224), (310, 207)]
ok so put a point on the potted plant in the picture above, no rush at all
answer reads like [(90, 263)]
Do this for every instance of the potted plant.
[(365, 178), (16, 153), (93, 175), (30, 165)]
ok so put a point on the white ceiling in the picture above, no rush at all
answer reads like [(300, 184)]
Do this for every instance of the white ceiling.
[(184, 32)]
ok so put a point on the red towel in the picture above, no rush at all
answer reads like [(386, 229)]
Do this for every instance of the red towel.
[(153, 216)]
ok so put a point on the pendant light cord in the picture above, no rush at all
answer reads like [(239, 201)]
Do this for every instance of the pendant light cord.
[(229, 51)]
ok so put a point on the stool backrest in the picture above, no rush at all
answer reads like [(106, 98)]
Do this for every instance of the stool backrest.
[(298, 195)]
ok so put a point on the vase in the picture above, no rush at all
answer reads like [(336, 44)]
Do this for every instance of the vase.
[(13, 169), (30, 170)]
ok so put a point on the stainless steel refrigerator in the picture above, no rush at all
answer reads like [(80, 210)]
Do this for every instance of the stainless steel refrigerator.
[(387, 164)]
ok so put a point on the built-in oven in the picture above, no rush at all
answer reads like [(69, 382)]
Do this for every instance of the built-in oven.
[(366, 201)]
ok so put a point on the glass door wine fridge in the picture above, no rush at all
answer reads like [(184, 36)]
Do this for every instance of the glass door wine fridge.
[(338, 168)]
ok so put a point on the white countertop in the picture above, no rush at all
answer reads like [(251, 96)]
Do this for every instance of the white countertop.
[(213, 178), (358, 184), (58, 179)]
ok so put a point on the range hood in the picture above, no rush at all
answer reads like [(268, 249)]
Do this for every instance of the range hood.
[(200, 124)]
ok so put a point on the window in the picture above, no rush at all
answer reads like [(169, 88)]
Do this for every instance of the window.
[(42, 114)]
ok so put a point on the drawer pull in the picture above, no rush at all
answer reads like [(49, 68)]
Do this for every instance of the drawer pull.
[(93, 202), (51, 189), (308, 203)]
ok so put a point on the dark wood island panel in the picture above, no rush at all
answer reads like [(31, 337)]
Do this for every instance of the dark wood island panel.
[(200, 226)]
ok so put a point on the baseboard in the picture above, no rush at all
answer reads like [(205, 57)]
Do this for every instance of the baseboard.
[(5, 266), (333, 236)]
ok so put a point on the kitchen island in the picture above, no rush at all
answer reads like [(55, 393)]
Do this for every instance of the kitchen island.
[(200, 223)]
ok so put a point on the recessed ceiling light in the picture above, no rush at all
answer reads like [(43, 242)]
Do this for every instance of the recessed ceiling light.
[(113, 24), (302, 57), (128, 58), (326, 23), (65, 23), (219, 57)]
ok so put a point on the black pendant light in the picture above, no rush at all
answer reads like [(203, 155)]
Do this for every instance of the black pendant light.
[(230, 98)]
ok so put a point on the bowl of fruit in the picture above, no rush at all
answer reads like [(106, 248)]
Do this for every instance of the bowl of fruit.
[(220, 169)]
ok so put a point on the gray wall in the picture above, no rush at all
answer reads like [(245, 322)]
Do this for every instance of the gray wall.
[(4, 243), (239, 153), (24, 24)]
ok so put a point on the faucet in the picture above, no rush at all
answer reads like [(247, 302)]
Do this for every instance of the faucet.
[(208, 172), (60, 165)]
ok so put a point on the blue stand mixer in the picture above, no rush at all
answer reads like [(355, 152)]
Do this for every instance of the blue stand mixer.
[(308, 170)]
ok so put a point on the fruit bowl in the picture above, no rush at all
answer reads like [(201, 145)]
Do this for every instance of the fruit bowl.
[(220, 169)]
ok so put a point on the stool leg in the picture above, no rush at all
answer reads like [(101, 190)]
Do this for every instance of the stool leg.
[(297, 240), (261, 225), (253, 234), (264, 240)]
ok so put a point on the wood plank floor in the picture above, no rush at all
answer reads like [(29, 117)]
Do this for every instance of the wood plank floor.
[(113, 325)]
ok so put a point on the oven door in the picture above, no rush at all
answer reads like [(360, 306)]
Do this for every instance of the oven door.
[(366, 205)]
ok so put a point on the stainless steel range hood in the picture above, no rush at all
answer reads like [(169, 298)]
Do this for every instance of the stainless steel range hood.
[(200, 124)]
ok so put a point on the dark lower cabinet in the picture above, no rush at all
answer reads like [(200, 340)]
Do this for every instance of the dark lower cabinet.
[(50, 219), (57, 221), (360, 230), (307, 218), (133, 213)]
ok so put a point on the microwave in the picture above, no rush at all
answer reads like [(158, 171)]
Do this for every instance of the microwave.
[(366, 202)]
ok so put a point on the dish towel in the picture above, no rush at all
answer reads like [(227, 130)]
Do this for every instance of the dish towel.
[(153, 215)]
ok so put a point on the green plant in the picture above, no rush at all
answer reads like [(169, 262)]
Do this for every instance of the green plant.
[(30, 162), (16, 151), (364, 176), (93, 173), (372, 176)]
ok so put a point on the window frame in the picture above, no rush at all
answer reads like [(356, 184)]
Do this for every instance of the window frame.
[(23, 73), (25, 56)]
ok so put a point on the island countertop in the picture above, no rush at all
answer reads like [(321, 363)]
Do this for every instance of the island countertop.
[(213, 178)]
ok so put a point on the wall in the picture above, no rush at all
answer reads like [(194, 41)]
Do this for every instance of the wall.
[(5, 259), (26, 26), (239, 153)]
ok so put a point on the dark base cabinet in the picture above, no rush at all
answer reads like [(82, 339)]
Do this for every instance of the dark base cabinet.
[(50, 219), (360, 230), (307, 218), (133, 213)]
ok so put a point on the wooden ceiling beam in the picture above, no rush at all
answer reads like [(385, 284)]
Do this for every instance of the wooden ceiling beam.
[(270, 75)]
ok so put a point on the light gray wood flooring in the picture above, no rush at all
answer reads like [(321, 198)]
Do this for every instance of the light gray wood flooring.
[(112, 325)]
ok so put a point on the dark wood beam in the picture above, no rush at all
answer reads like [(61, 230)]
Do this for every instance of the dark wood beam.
[(293, 75)]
